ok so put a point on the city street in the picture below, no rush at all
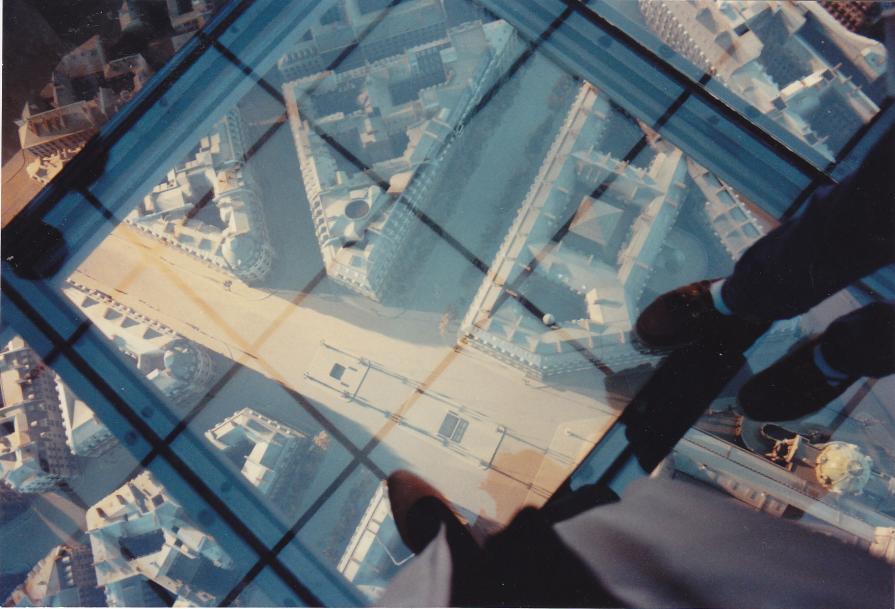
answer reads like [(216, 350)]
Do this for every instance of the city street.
[(510, 185), (275, 330)]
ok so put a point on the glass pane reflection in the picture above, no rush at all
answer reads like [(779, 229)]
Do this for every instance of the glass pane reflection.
[(831, 470), (88, 524), (807, 66), (416, 242), (419, 256)]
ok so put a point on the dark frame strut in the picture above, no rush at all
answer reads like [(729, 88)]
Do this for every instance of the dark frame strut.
[(37, 311)]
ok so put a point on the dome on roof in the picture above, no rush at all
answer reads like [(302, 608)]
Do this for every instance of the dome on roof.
[(181, 360), (842, 468), (357, 208), (240, 251)]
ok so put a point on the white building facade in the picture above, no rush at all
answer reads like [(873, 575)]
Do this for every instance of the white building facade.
[(182, 370), (372, 140), (34, 455)]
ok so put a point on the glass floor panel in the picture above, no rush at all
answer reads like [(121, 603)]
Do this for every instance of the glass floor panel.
[(423, 247), (267, 590), (831, 470), (809, 68), (78, 509), (413, 237)]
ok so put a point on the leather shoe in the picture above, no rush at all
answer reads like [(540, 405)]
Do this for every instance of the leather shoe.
[(688, 315), (419, 509)]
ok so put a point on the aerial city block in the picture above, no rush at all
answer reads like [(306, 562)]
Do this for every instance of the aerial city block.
[(428, 248)]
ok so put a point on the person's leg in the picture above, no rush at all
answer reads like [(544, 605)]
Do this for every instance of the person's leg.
[(846, 232), (421, 511), (861, 343), (528, 565), (563, 506), (525, 564)]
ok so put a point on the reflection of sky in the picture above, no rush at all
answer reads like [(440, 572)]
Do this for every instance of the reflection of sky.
[(477, 208), (250, 389)]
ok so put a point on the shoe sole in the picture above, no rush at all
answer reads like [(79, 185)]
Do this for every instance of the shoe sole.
[(645, 348)]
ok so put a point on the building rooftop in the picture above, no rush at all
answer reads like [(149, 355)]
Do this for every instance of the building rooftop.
[(375, 551), (180, 369), (399, 114), (276, 459), (33, 454), (140, 531), (64, 578), (344, 237)]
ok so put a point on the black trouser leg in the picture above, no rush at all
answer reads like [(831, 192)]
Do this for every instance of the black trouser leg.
[(528, 565), (862, 343), (846, 232), (524, 565), (425, 519)]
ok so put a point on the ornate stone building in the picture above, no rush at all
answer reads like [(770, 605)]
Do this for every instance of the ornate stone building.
[(34, 455)]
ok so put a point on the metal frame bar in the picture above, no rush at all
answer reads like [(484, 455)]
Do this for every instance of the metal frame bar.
[(94, 191)]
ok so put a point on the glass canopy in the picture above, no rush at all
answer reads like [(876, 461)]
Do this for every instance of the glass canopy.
[(333, 239)]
